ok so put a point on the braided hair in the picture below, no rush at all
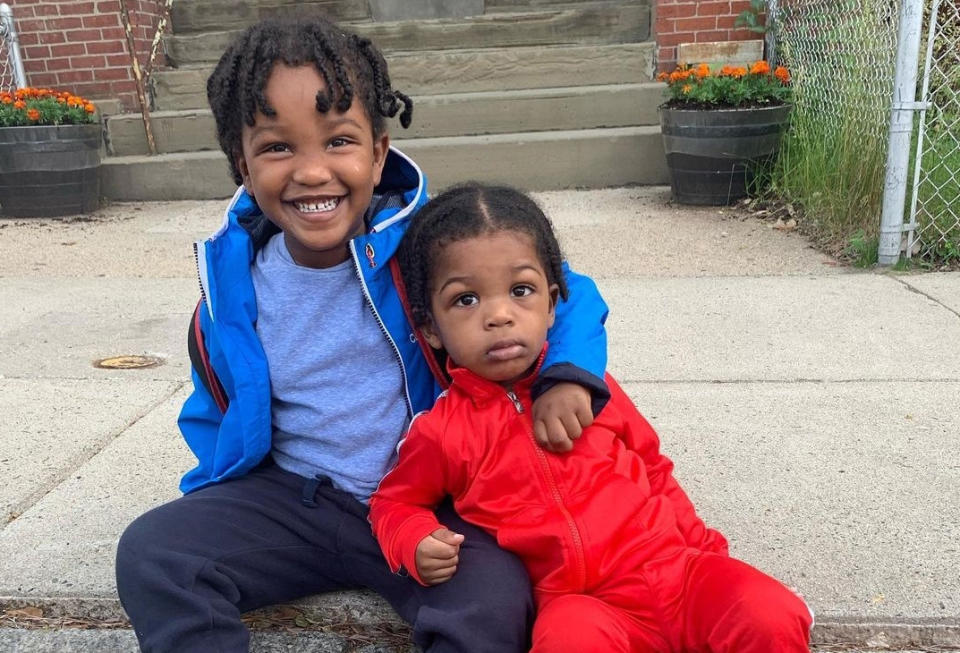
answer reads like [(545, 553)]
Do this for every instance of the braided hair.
[(350, 66), (464, 212)]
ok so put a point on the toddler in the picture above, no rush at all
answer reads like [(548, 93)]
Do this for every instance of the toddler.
[(619, 559)]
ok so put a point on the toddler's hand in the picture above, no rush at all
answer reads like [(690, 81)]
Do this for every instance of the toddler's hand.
[(438, 555), (559, 416)]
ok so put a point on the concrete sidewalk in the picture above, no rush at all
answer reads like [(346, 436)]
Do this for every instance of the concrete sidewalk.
[(812, 410)]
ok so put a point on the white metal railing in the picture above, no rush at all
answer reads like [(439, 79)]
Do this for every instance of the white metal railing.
[(12, 75)]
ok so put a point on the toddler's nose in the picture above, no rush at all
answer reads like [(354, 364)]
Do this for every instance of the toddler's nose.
[(312, 171)]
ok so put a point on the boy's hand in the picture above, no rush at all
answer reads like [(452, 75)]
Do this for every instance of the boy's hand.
[(438, 555), (559, 416)]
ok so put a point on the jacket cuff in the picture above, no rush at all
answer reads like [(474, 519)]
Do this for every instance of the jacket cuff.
[(570, 373), (407, 539)]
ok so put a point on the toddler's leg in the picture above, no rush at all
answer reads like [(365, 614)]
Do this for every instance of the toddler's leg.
[(731, 607), (577, 623)]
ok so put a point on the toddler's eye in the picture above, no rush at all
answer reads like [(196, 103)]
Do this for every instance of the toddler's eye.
[(521, 291), (466, 300), (339, 142), (276, 147)]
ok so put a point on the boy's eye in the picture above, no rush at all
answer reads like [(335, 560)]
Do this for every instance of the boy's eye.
[(521, 291), (339, 141), (468, 299), (276, 147)]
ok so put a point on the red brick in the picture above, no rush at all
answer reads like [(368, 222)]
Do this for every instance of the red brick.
[(696, 24), (36, 52), (743, 35), (88, 61), (44, 80), (105, 47), (113, 33), (101, 20), (677, 11), (76, 9), (83, 35), (51, 38), (34, 65), (105, 74), (108, 7), (736, 6), (666, 26), (45, 10), (68, 22), (123, 86), (67, 49), (31, 25), (114, 60), (74, 76), (713, 8), (62, 63), (712, 35), (726, 22), (29, 39), (675, 39)]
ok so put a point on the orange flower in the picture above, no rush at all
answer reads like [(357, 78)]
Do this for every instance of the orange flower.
[(782, 74), (760, 68), (662, 77), (6, 99), (19, 104), (738, 72), (703, 70), (33, 114), (60, 100), (89, 108), (686, 88)]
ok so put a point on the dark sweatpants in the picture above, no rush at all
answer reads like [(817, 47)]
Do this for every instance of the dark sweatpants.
[(186, 570)]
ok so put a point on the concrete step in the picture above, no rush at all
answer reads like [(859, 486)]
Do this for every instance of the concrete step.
[(460, 71), (586, 158), (455, 114), (596, 23), (188, 16)]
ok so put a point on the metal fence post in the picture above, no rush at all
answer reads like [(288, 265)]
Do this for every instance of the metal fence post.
[(901, 127), (8, 31)]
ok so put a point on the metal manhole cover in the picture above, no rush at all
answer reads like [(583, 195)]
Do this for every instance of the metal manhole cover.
[(128, 362)]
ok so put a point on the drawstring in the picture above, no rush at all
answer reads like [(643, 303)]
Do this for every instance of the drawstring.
[(310, 489)]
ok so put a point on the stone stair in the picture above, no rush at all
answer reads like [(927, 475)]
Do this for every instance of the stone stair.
[(543, 94)]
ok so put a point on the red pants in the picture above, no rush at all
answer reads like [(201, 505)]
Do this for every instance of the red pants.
[(697, 603)]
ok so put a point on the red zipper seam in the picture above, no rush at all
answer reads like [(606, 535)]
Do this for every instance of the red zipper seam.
[(555, 492)]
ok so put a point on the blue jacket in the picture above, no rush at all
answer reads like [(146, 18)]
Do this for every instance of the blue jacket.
[(227, 422)]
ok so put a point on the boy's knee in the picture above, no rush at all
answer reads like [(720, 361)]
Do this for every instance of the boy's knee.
[(581, 624), (776, 617)]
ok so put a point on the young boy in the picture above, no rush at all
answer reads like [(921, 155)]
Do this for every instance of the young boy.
[(306, 371)]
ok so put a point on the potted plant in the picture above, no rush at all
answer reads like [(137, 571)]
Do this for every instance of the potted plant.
[(49, 153), (719, 126)]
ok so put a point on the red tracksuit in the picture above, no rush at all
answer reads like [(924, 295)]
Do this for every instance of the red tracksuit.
[(619, 559)]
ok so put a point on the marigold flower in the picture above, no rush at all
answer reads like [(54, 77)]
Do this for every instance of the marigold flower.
[(738, 72), (89, 108), (760, 68), (703, 70), (33, 114), (19, 104), (6, 99), (675, 76), (782, 74), (726, 71), (662, 77), (686, 88)]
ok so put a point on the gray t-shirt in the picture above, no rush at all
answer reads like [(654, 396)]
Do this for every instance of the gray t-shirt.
[(337, 391)]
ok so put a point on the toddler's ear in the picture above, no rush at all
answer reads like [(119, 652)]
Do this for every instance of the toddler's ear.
[(429, 332), (554, 298)]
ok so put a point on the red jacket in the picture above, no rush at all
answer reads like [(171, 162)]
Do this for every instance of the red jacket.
[(571, 517)]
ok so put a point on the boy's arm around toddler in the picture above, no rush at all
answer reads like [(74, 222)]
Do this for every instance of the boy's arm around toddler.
[(641, 438)]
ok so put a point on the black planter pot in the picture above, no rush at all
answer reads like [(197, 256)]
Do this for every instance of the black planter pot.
[(712, 154), (49, 170)]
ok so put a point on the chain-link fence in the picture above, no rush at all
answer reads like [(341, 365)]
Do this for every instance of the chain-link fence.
[(935, 207), (11, 66)]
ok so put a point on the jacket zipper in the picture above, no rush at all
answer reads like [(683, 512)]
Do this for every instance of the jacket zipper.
[(196, 265), (383, 327), (555, 493)]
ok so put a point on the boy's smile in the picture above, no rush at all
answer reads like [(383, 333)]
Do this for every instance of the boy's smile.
[(311, 173), (491, 304)]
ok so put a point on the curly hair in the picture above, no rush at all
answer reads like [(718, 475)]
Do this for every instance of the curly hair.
[(349, 64), (467, 211)]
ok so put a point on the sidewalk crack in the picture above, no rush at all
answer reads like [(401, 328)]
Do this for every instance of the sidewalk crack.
[(916, 290)]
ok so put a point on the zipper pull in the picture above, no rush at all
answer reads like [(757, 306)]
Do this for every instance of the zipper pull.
[(515, 400)]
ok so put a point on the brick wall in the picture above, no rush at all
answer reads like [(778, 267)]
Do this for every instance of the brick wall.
[(80, 45), (695, 21)]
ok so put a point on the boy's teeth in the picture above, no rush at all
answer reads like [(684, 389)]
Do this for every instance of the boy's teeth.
[(315, 207)]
